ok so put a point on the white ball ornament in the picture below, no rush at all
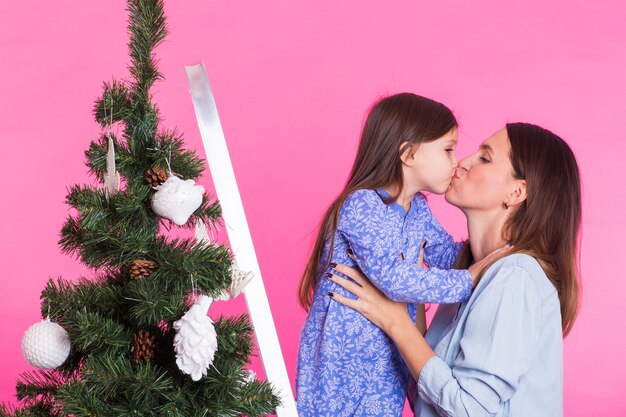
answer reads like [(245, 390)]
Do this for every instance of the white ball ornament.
[(46, 345), (177, 199), (195, 342)]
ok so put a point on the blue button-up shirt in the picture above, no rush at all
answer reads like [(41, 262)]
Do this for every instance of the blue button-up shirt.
[(501, 352)]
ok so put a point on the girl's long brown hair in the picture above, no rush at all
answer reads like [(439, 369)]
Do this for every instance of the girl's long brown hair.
[(547, 224), (400, 119)]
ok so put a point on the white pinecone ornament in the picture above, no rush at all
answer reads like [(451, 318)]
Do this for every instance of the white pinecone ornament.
[(195, 342), (177, 199), (46, 345)]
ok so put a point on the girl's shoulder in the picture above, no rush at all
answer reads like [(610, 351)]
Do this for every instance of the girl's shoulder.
[(420, 202), (364, 196)]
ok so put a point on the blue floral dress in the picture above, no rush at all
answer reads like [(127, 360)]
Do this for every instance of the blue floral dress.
[(346, 365)]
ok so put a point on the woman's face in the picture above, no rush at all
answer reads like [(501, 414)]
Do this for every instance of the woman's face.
[(482, 180)]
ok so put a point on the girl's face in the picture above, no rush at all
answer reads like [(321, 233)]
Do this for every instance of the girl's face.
[(483, 179), (434, 163)]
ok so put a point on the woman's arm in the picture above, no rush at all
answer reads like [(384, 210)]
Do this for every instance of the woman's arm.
[(497, 347), (420, 321), (390, 316)]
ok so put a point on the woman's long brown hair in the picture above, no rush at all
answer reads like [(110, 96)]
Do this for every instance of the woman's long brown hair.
[(400, 119), (547, 224)]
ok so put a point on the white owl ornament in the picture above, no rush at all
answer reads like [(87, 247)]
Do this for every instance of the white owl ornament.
[(177, 199)]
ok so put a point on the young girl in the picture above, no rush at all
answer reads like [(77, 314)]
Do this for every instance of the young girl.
[(346, 365)]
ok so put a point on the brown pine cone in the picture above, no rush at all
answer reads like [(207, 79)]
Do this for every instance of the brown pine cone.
[(156, 176), (141, 268), (142, 346)]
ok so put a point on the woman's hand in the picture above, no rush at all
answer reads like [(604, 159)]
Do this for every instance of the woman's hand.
[(390, 316), (371, 302), (477, 269)]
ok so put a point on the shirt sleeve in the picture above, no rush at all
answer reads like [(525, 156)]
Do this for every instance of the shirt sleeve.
[(362, 223), (441, 250), (496, 350)]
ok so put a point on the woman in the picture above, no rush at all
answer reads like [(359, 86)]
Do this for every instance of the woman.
[(500, 353)]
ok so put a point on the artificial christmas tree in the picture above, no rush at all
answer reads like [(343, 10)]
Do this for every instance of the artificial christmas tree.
[(120, 323)]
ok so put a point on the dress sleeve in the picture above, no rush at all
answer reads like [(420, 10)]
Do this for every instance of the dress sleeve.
[(362, 223), (496, 350), (441, 250)]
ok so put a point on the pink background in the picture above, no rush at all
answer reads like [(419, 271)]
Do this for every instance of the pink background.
[(293, 81)]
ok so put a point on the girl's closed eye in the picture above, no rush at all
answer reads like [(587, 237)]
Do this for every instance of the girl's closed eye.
[(484, 160)]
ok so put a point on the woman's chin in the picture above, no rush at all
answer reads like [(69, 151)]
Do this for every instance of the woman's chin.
[(450, 197)]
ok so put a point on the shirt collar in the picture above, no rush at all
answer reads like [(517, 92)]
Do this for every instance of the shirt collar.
[(395, 206)]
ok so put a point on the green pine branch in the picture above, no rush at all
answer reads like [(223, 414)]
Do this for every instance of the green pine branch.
[(78, 401), (235, 341), (61, 297), (181, 260), (117, 379), (111, 243), (41, 409), (182, 265), (115, 104), (170, 152), (257, 399), (96, 335), (147, 29), (34, 387)]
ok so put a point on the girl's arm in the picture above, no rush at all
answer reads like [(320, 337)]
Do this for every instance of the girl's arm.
[(362, 223), (441, 250), (497, 347), (390, 316)]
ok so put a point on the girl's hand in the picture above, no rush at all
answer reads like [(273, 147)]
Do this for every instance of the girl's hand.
[(371, 302), (477, 269)]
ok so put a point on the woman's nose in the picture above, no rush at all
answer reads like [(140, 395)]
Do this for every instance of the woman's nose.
[(465, 163), (460, 171)]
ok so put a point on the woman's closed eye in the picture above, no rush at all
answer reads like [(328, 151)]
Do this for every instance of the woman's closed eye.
[(484, 159)]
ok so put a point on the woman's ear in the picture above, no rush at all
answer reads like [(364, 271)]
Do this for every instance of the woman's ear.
[(517, 194), (407, 153)]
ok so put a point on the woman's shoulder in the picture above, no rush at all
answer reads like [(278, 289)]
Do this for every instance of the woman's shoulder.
[(519, 271), (520, 260)]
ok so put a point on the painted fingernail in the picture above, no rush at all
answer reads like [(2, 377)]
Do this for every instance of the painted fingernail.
[(330, 294), (333, 265), (328, 275), (424, 244), (350, 252)]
